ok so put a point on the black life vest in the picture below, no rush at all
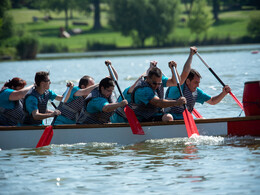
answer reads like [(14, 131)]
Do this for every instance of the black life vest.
[(191, 98), (148, 110), (94, 118), (42, 106), (71, 110), (12, 117)]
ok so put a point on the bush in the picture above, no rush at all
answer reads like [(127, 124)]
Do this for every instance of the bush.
[(100, 46), (27, 47), (7, 53), (53, 48), (253, 26)]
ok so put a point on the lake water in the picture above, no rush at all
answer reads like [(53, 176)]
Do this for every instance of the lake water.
[(202, 165)]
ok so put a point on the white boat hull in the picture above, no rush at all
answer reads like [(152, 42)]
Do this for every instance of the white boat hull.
[(28, 136)]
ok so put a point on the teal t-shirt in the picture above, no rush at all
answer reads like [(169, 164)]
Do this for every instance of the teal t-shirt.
[(115, 118), (175, 94), (73, 91), (32, 102), (126, 95), (96, 104), (4, 99), (62, 119), (146, 94)]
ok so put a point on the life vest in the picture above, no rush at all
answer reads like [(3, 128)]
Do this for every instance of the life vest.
[(42, 106), (94, 118), (12, 117), (71, 110), (148, 110), (191, 98)]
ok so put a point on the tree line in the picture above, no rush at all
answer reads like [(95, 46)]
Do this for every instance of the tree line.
[(140, 19)]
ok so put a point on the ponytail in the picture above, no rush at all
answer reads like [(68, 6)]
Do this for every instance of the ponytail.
[(14, 83)]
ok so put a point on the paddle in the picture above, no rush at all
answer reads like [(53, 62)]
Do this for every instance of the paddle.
[(188, 119), (47, 135), (130, 115), (216, 76), (196, 113)]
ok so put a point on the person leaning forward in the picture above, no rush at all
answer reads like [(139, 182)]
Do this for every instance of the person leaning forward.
[(147, 97), (99, 105), (71, 109), (35, 103), (11, 98), (119, 115)]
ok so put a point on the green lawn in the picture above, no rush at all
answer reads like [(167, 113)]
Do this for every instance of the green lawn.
[(232, 24)]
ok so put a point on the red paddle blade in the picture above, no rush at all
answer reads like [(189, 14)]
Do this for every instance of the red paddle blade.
[(46, 137), (133, 121), (237, 101), (190, 123), (196, 113)]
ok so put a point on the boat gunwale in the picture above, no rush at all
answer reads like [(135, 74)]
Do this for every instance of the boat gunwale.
[(88, 126)]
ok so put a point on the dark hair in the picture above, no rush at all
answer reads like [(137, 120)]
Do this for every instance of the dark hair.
[(41, 76), (155, 71), (106, 83), (192, 73), (15, 82), (84, 80)]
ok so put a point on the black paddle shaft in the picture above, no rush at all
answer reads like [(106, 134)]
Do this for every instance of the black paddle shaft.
[(178, 85), (53, 105), (223, 84), (210, 69), (55, 117), (123, 97)]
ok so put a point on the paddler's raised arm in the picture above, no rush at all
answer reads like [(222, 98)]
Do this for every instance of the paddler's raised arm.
[(172, 81), (70, 85), (67, 93), (19, 94), (85, 91), (108, 62), (152, 65), (187, 65)]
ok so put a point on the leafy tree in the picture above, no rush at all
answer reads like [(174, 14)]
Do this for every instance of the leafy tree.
[(6, 21), (188, 6), (87, 6), (144, 18), (201, 17), (164, 17), (7, 27), (216, 8), (97, 24), (58, 6), (4, 6)]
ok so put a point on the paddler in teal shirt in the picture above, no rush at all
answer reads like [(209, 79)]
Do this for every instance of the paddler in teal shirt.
[(189, 81), (147, 97), (119, 115), (99, 104), (11, 107), (35, 103), (71, 109), (193, 94)]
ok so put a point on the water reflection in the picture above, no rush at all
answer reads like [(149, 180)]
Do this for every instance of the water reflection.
[(190, 150)]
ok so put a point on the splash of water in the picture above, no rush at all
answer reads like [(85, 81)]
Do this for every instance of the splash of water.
[(205, 140)]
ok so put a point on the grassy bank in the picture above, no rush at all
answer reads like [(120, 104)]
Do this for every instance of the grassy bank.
[(231, 25)]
